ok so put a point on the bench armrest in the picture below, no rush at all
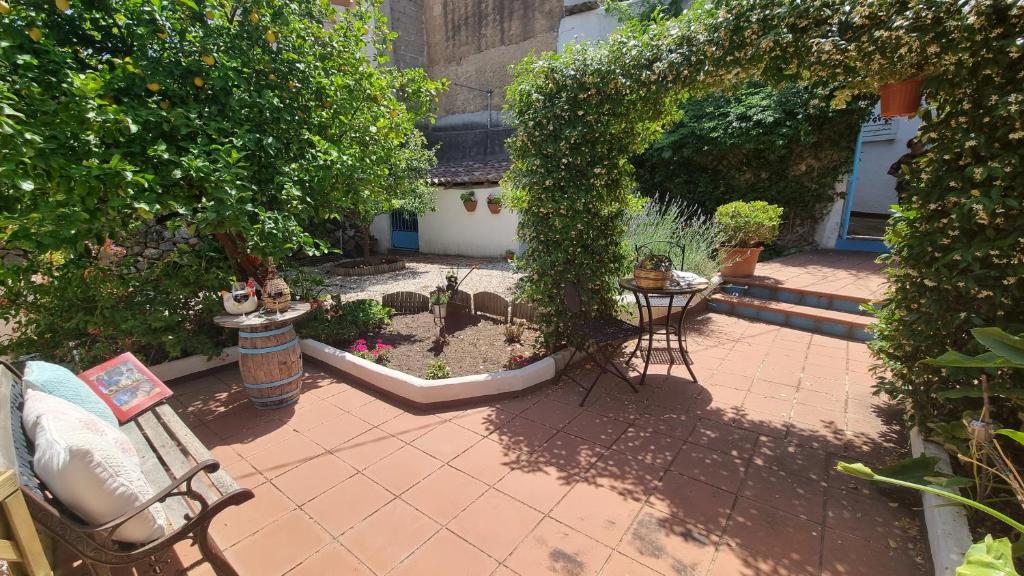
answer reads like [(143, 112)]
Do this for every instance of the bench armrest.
[(179, 486)]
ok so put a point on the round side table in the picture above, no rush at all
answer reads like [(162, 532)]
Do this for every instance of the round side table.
[(270, 359)]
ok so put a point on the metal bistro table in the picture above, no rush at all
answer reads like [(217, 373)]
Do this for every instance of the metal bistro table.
[(648, 298), (270, 359)]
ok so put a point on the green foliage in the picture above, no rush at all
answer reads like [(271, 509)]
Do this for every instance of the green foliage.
[(340, 324), (787, 146), (494, 199), (1004, 351), (438, 297), (306, 284), (80, 313), (248, 118), (468, 196), (749, 224), (437, 370), (989, 557)]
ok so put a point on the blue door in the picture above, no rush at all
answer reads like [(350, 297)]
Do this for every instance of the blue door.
[(405, 231)]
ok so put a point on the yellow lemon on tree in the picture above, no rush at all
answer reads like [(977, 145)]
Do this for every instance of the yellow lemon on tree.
[(198, 81), (63, 5), (210, 15), (253, 17), (153, 86), (5, 8), (208, 60), (162, 35), (272, 77), (165, 104), (270, 36), (35, 34)]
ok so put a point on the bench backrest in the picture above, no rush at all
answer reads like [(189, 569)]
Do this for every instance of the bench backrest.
[(15, 447)]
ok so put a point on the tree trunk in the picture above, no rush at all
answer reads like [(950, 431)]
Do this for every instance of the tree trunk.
[(364, 234), (245, 265)]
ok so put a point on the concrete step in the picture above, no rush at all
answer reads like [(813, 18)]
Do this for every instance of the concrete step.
[(768, 289), (809, 318)]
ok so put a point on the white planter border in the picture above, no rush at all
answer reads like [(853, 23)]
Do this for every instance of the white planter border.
[(948, 534), (193, 364), (447, 390)]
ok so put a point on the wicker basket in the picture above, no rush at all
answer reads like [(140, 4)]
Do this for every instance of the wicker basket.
[(277, 297), (651, 279)]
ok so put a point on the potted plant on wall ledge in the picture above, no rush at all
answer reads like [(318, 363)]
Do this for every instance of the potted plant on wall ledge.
[(494, 203), (747, 227), (902, 98), (469, 200)]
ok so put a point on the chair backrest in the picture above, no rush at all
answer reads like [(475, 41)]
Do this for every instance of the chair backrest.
[(676, 251)]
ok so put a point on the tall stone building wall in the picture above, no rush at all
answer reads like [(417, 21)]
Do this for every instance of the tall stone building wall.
[(405, 17)]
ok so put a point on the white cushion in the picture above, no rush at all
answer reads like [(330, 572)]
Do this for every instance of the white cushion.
[(91, 468)]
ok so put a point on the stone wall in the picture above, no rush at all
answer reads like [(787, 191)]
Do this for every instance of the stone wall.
[(155, 242), (405, 17)]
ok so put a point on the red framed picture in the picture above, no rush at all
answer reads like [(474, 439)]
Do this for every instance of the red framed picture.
[(126, 385)]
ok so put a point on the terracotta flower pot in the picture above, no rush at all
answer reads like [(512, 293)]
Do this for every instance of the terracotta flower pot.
[(494, 208), (900, 98), (739, 262), (470, 206)]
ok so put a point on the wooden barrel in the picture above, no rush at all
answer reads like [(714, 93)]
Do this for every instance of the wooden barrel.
[(271, 364)]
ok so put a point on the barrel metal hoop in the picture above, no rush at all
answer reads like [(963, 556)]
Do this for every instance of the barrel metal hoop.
[(285, 346), (276, 332), (277, 383), (269, 399)]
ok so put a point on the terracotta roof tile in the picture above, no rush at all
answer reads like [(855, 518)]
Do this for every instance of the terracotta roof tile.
[(468, 173)]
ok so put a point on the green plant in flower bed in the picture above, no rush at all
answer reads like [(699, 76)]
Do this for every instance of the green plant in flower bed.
[(749, 224), (957, 255), (437, 369), (78, 312), (342, 322)]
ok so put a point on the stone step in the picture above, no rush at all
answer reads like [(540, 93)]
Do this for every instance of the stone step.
[(769, 289), (808, 318)]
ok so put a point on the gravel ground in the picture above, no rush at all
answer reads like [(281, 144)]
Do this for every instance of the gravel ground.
[(422, 274)]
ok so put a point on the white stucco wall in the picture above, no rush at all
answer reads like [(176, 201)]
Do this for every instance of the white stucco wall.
[(875, 189), (827, 232), (450, 229)]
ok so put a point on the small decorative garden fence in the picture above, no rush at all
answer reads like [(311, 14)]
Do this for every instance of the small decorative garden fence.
[(406, 302), (488, 303)]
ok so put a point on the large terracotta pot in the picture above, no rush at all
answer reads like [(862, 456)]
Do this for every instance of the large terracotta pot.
[(739, 262), (900, 98), (494, 208)]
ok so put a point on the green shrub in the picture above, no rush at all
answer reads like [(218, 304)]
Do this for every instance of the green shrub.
[(468, 196), (673, 223), (748, 224), (80, 313), (342, 323), (437, 370)]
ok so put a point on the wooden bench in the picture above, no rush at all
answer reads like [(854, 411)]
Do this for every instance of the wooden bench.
[(187, 481)]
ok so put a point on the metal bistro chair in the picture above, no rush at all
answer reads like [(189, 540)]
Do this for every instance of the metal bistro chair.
[(590, 335)]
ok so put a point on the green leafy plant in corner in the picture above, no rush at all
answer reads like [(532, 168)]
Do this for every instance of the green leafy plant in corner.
[(437, 370), (342, 322), (749, 224)]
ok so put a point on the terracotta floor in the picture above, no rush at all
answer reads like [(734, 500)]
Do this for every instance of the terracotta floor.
[(830, 271), (729, 477)]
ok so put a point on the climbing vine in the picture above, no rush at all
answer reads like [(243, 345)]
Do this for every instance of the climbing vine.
[(956, 249)]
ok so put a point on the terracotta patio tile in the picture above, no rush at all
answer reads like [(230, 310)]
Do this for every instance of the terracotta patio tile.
[(504, 571), (444, 494), (625, 409), (376, 412), (598, 512), (676, 424), (336, 431), (351, 399), (667, 544), (446, 441), (734, 381), (488, 461), (819, 417), (821, 400), (724, 438), (392, 533), (516, 404), (768, 424), (620, 565), (828, 440), (495, 523), (595, 428), (313, 414), (279, 547), (283, 456), (553, 548), (692, 501), (409, 426), (630, 477), (483, 420), (367, 448), (847, 555), (726, 399), (402, 469), (777, 407), (537, 485), (446, 553), (332, 559), (707, 465), (792, 458), (829, 371), (731, 560), (828, 341), (777, 537), (237, 522), (522, 435), (773, 389), (552, 414), (345, 505), (874, 517), (244, 474), (313, 478), (249, 430), (569, 453), (648, 445), (797, 495)]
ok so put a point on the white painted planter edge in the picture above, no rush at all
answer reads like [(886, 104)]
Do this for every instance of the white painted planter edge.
[(192, 364), (948, 534), (423, 391)]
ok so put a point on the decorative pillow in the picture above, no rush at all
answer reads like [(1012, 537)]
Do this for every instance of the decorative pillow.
[(60, 382), (90, 468)]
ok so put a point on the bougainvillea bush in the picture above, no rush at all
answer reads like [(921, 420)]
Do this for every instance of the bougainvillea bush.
[(957, 248)]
